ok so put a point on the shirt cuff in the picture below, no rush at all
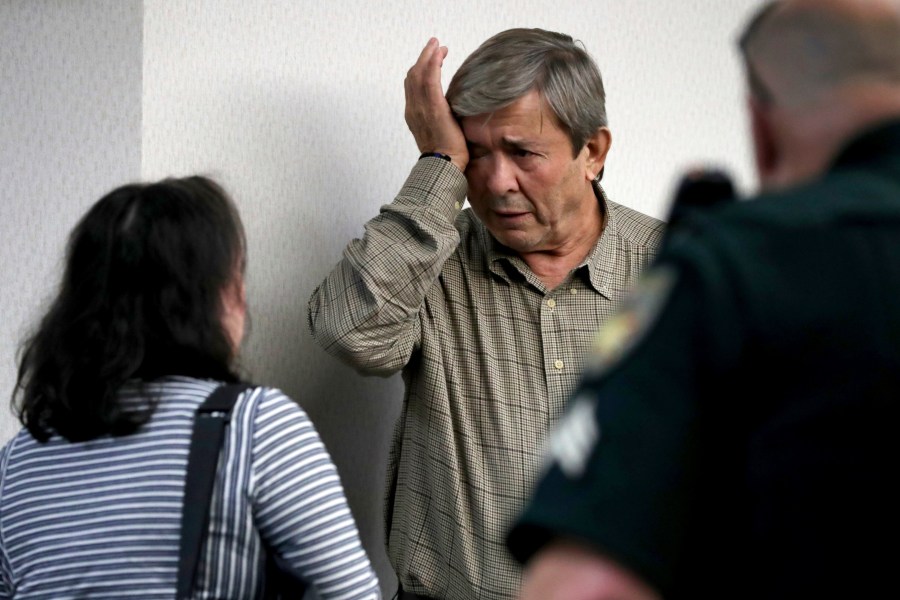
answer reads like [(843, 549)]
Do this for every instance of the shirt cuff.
[(436, 183)]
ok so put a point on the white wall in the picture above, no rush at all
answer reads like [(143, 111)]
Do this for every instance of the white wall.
[(297, 108), (70, 130)]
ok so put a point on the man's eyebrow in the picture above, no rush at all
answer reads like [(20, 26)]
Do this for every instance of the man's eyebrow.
[(519, 142), (508, 142)]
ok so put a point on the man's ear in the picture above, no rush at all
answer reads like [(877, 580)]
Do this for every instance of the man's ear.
[(765, 143), (597, 147)]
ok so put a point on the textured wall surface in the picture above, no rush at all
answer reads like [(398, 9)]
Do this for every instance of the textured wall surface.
[(297, 108), (70, 130)]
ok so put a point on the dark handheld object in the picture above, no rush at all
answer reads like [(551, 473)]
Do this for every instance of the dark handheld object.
[(699, 191), (210, 422)]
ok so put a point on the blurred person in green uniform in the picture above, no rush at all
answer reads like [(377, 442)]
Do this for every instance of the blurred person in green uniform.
[(734, 436)]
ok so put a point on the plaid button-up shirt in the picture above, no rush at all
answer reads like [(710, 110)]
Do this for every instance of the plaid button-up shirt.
[(489, 356)]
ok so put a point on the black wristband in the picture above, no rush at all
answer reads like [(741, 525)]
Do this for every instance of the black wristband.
[(434, 155)]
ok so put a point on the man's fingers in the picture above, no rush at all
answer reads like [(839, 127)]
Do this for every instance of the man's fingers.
[(427, 70), (437, 57), (432, 74), (427, 51), (416, 77), (424, 58), (423, 80), (427, 113)]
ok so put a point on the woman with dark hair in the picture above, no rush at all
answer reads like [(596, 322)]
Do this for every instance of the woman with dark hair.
[(147, 323)]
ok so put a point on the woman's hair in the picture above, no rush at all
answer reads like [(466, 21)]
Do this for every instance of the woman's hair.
[(141, 298)]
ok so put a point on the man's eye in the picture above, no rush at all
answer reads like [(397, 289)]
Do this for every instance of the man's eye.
[(522, 152)]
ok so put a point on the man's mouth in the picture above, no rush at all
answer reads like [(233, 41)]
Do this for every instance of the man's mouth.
[(511, 214)]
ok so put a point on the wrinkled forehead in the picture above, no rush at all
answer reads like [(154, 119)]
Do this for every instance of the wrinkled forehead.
[(529, 117)]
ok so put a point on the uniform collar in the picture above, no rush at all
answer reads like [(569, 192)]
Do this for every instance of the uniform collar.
[(874, 144), (599, 264)]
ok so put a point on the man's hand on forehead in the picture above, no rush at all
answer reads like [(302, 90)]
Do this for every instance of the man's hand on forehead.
[(428, 114)]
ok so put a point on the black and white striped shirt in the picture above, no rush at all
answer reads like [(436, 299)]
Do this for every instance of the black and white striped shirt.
[(101, 519)]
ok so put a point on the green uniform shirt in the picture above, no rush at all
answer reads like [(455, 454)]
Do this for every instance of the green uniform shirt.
[(738, 439)]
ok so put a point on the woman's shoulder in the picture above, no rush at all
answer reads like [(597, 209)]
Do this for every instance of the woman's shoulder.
[(265, 400), (272, 415), (5, 452), (192, 390)]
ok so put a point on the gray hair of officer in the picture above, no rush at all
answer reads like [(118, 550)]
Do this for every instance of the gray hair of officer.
[(512, 63), (797, 51)]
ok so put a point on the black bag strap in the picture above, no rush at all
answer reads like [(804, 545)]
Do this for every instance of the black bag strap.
[(206, 440)]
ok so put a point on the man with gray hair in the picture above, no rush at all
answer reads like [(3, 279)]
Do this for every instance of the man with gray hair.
[(488, 311), (738, 443)]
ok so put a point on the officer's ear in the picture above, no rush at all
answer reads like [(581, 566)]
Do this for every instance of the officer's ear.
[(765, 142), (597, 147)]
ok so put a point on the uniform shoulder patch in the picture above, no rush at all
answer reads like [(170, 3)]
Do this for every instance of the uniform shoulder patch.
[(624, 331), (574, 437), (577, 434)]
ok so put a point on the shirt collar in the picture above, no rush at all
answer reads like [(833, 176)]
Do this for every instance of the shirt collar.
[(600, 262), (872, 145)]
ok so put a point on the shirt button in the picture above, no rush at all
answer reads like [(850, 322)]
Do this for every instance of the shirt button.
[(456, 205), (558, 364), (551, 303), (573, 291)]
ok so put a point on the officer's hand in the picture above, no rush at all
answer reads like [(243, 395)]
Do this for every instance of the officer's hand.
[(566, 570), (428, 114)]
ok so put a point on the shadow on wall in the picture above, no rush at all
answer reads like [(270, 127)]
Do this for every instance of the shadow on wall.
[(291, 161)]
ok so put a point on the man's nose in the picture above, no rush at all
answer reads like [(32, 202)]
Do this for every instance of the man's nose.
[(501, 176)]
